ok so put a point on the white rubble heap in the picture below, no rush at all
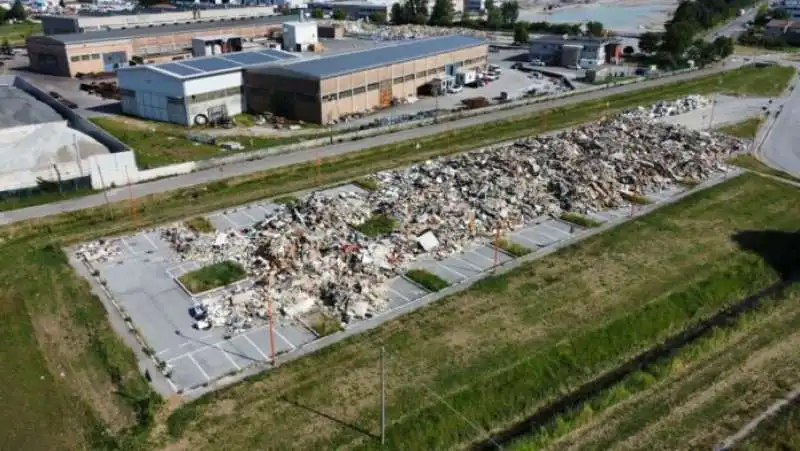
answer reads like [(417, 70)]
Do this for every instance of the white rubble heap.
[(400, 32), (666, 108), (308, 255)]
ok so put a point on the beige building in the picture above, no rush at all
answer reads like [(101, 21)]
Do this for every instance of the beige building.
[(322, 89), (106, 51)]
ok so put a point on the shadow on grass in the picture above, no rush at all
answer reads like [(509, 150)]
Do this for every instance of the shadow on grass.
[(781, 250), (329, 417)]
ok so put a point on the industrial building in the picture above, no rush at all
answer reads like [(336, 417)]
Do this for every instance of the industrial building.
[(583, 53), (81, 24), (321, 89), (191, 92), (299, 36), (106, 51)]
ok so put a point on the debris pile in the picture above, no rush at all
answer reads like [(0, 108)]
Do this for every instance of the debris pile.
[(666, 108), (400, 32), (310, 255)]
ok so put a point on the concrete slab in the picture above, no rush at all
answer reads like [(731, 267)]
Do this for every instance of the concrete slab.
[(400, 292), (186, 374), (242, 352), (213, 362), (487, 254)]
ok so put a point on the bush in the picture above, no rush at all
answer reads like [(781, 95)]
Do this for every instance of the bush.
[(212, 276), (366, 183), (512, 248), (200, 224), (376, 225), (636, 199), (427, 279), (285, 200), (580, 220)]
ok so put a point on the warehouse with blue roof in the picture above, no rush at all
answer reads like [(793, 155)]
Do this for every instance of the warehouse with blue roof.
[(313, 89)]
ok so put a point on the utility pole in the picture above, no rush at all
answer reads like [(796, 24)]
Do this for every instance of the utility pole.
[(383, 396)]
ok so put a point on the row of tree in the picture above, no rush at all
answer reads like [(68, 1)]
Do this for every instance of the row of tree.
[(523, 29), (17, 12), (443, 14)]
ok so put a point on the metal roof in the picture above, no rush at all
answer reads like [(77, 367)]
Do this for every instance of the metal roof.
[(159, 30), (212, 65), (345, 63)]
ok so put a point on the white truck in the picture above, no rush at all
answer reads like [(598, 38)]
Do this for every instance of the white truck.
[(466, 78)]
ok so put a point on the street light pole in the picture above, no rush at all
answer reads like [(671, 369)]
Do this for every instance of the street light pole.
[(383, 397)]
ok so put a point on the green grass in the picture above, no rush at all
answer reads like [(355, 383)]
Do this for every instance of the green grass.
[(158, 144), (636, 199), (752, 163), (580, 220), (366, 183), (43, 301), (779, 433), (324, 325), (18, 32), (745, 129), (285, 200), (212, 276), (200, 224), (427, 279), (39, 198), (512, 248), (565, 319), (377, 225)]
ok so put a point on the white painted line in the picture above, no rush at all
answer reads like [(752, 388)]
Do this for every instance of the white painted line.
[(556, 229), (191, 357), (172, 384), (552, 238), (206, 337), (475, 251), (128, 246), (275, 329), (185, 343), (235, 225), (399, 294), (449, 269), (244, 212), (522, 237), (266, 359), (165, 350), (468, 263), (229, 358), (155, 248)]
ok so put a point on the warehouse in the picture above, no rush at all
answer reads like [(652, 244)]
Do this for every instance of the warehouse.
[(107, 51), (191, 92), (323, 89)]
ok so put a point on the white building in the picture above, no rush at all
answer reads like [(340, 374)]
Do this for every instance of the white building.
[(193, 91), (299, 36), (793, 7)]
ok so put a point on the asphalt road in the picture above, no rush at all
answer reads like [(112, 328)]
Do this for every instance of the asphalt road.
[(248, 167), (782, 133)]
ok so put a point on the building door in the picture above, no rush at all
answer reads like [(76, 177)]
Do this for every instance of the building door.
[(386, 93), (450, 69)]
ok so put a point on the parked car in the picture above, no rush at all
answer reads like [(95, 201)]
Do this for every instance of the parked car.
[(494, 68), (538, 62), (490, 76), (198, 312), (455, 89), (202, 325)]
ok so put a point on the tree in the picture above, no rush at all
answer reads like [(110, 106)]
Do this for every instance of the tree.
[(5, 47), (378, 17), (649, 42), (398, 14), (442, 13), (594, 29), (781, 14), (466, 20), (338, 14), (629, 50), (509, 12), (317, 13), (521, 33), (61, 4), (17, 12), (2, 15), (494, 18), (415, 11), (678, 38), (723, 47)]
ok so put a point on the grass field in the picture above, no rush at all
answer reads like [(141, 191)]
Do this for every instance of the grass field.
[(745, 129), (427, 279), (158, 144), (57, 325), (754, 164), (565, 319), (780, 433), (18, 32), (213, 276)]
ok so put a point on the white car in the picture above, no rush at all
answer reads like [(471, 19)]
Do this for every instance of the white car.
[(490, 76), (455, 89), (538, 62), (494, 68)]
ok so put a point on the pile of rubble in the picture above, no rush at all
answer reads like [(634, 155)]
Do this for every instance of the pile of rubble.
[(309, 255), (399, 32), (666, 108)]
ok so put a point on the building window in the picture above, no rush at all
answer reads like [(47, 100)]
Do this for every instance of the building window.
[(95, 56), (74, 58), (374, 86), (127, 92), (345, 94), (408, 77), (433, 71), (398, 80), (329, 98), (421, 74), (360, 90), (85, 57)]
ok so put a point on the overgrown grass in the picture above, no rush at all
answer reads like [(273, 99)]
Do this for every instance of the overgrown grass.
[(39, 198), (377, 225), (158, 144), (200, 224), (637, 199), (565, 319), (780, 433), (18, 32), (512, 248), (427, 279), (580, 220), (285, 200), (323, 324), (745, 129), (366, 183), (748, 161), (213, 276)]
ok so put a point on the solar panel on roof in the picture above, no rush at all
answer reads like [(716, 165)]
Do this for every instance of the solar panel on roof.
[(211, 64), (277, 54), (249, 58), (178, 69)]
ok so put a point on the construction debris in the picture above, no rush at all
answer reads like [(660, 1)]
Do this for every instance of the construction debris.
[(309, 255), (666, 108)]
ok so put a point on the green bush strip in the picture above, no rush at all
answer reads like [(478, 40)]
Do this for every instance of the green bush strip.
[(580, 220), (200, 224), (427, 279), (512, 248), (366, 183), (285, 200), (377, 225), (212, 276)]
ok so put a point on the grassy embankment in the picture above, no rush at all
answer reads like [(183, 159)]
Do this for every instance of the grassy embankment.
[(745, 129), (752, 163), (58, 326), (18, 32), (779, 433), (565, 319)]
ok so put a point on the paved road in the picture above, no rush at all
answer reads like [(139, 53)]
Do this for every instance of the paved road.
[(248, 167), (735, 27), (782, 135)]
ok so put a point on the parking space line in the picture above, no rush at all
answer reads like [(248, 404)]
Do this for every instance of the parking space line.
[(172, 385), (164, 350), (463, 260), (266, 211), (555, 229), (524, 238), (130, 249), (235, 225), (473, 251), (191, 357), (155, 248), (547, 236), (235, 365), (267, 359), (275, 329), (244, 212), (399, 294), (184, 344), (447, 268)]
